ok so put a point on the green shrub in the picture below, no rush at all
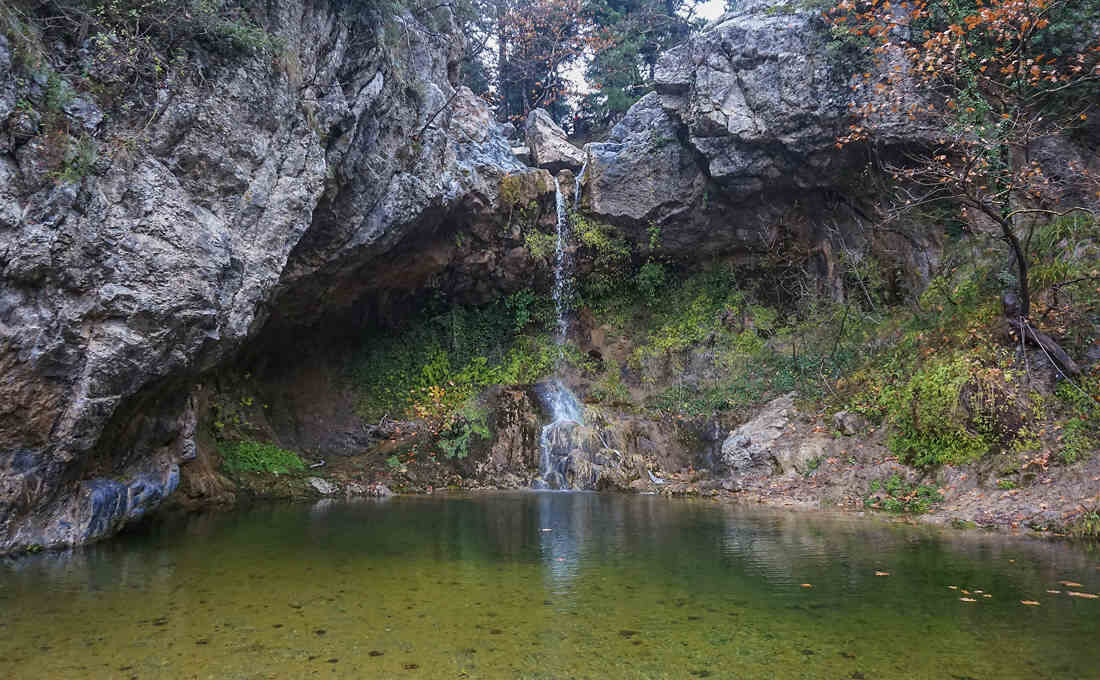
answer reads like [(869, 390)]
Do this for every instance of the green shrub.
[(930, 426), (1077, 441), (651, 280), (448, 354), (469, 421), (249, 455), (901, 497)]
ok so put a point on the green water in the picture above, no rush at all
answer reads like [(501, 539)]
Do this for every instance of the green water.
[(619, 587)]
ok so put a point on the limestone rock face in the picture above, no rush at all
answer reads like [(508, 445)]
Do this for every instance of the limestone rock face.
[(549, 147), (257, 187), (642, 172), (738, 143)]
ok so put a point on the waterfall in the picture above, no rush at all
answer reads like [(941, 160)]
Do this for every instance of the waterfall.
[(564, 408), (578, 183)]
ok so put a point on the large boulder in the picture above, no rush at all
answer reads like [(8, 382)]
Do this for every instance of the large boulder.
[(642, 173), (750, 447), (549, 146)]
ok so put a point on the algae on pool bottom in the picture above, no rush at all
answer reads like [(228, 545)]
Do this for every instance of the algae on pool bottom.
[(548, 585)]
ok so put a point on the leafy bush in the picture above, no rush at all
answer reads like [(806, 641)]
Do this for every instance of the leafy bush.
[(249, 455), (900, 496), (931, 429), (448, 354), (651, 280), (469, 421)]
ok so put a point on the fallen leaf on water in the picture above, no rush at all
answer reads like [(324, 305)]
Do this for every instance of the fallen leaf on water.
[(987, 595), (882, 573), (806, 585), (1069, 584), (964, 591), (1030, 603), (1089, 596), (1054, 592), (547, 529), (979, 591), (967, 599), (953, 587)]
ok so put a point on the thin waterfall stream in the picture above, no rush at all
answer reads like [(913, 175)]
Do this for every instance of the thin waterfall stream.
[(565, 410)]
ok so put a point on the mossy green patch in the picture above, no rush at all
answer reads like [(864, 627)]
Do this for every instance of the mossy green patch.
[(249, 455)]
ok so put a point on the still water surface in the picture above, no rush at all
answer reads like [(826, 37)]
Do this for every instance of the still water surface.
[(549, 585)]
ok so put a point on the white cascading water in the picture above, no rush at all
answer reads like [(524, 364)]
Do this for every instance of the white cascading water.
[(577, 185), (562, 404)]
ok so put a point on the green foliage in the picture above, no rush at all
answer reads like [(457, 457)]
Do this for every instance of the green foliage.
[(449, 353), (1085, 526), (1080, 432), (79, 159), (651, 281), (930, 426), (1078, 440), (541, 246), (610, 254), (1006, 484), (249, 455), (899, 496), (469, 421), (611, 389)]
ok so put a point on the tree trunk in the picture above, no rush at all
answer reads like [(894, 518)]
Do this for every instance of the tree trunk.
[(1009, 235)]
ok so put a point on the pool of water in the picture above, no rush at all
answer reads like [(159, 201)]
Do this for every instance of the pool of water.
[(549, 585)]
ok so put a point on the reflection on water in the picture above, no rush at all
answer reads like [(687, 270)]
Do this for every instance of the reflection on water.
[(548, 585)]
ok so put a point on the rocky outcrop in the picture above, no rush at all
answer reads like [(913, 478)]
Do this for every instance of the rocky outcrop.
[(137, 251), (736, 149), (548, 144)]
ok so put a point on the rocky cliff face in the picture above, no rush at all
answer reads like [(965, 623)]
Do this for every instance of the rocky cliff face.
[(736, 149), (138, 251)]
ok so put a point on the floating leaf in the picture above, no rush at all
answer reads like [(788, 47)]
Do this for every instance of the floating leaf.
[(1069, 584), (967, 599), (806, 585), (1030, 603), (1088, 596), (882, 573), (953, 587), (1054, 592)]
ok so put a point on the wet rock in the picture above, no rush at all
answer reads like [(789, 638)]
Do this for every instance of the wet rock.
[(549, 145)]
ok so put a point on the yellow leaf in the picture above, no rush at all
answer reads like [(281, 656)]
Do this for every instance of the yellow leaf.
[(1030, 603)]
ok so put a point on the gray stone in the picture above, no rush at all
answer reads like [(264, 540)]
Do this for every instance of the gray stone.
[(799, 459), (523, 155), (750, 446), (549, 145), (322, 486), (849, 423)]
